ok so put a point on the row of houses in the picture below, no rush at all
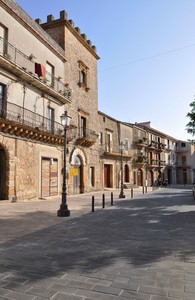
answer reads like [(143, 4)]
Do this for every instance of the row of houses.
[(47, 69)]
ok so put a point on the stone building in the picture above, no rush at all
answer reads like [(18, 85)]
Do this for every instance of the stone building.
[(81, 75), (148, 155), (110, 153), (40, 78), (184, 162), (155, 154)]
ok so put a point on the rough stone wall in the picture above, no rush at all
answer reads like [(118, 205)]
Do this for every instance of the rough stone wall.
[(26, 170), (83, 102)]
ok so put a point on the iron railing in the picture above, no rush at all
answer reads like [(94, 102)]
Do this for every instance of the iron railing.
[(27, 64), (85, 133), (19, 115)]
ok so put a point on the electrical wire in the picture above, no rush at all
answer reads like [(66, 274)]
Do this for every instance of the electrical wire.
[(147, 58)]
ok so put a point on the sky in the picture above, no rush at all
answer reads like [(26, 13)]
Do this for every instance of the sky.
[(146, 70)]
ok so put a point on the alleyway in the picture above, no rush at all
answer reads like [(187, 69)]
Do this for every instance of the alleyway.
[(141, 248)]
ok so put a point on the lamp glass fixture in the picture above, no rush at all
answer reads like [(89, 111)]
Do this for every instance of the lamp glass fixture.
[(65, 119), (121, 146)]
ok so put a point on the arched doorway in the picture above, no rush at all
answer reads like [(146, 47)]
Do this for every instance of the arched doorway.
[(3, 195), (78, 183), (78, 160)]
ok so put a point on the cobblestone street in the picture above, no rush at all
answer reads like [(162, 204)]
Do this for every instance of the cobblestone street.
[(141, 248)]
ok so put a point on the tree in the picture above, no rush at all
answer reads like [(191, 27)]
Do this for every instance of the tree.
[(190, 127)]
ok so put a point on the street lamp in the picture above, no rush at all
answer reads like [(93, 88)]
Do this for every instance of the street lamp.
[(146, 169), (121, 147), (64, 211)]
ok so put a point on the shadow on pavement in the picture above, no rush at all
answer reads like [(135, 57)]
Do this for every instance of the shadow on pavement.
[(139, 232)]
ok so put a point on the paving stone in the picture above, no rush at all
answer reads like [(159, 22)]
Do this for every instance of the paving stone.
[(107, 290), (134, 295), (155, 297), (3, 292), (19, 296), (153, 290), (41, 292), (126, 286), (60, 296), (182, 295), (82, 285), (99, 281)]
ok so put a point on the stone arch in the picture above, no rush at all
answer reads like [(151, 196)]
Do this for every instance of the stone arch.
[(77, 152), (140, 177), (4, 172), (78, 160)]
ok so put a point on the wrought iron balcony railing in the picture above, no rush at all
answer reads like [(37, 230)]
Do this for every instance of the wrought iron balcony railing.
[(16, 114), (26, 63), (86, 137)]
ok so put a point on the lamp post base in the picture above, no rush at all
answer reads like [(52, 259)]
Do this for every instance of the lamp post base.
[(121, 195), (63, 211)]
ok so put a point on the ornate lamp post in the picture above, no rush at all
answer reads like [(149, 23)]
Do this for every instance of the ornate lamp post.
[(121, 147), (64, 211)]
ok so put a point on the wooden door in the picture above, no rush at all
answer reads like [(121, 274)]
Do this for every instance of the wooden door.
[(2, 175), (107, 181), (139, 178), (49, 177)]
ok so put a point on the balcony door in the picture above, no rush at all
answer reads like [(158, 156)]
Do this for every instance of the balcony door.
[(51, 118), (2, 99), (3, 39)]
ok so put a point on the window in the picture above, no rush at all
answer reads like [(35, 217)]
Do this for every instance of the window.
[(50, 74), (83, 72), (83, 78), (126, 142), (101, 138), (92, 176), (3, 39), (83, 126), (2, 98), (50, 119), (183, 159), (183, 145), (109, 142)]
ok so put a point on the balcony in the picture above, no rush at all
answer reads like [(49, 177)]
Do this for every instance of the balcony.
[(154, 163), (23, 66), (155, 146), (86, 137), (140, 143), (18, 121), (114, 151), (140, 161)]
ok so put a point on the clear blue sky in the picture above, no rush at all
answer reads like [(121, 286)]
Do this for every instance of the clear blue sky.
[(147, 51)]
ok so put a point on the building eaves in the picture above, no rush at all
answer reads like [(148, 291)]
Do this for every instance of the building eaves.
[(16, 10), (156, 132)]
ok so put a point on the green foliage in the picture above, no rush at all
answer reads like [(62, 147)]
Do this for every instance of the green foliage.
[(190, 127)]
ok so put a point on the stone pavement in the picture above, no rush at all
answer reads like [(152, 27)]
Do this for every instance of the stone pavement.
[(138, 249)]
